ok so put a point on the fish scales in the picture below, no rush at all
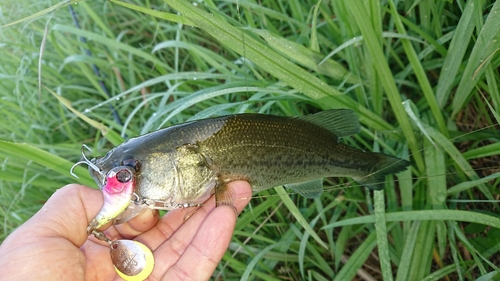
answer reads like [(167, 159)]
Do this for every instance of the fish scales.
[(273, 151), (183, 165)]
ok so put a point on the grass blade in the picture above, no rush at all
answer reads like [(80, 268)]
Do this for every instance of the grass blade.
[(488, 42), (386, 77), (46, 159), (382, 234), (298, 216), (424, 215)]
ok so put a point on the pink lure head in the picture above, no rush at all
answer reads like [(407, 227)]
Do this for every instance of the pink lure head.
[(118, 191)]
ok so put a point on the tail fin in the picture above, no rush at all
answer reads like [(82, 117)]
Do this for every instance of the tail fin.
[(384, 165)]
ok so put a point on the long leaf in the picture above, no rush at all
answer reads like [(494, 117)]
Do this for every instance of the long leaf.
[(298, 216), (419, 72), (272, 62), (487, 42), (155, 13), (456, 52), (46, 159), (454, 215), (357, 259), (109, 134), (382, 233), (386, 77), (43, 12)]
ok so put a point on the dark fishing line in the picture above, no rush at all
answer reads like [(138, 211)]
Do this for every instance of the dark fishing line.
[(97, 72)]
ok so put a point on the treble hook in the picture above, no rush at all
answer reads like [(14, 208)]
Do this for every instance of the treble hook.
[(85, 161)]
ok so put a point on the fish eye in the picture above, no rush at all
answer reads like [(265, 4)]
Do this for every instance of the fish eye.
[(124, 176), (132, 162)]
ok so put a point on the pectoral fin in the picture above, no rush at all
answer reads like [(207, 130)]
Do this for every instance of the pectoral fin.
[(308, 189), (224, 195)]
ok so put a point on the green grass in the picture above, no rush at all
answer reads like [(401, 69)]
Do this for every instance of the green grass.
[(422, 76)]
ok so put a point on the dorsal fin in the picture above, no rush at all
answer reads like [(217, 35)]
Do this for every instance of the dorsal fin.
[(341, 122)]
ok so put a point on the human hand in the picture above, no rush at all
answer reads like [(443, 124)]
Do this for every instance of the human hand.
[(53, 244)]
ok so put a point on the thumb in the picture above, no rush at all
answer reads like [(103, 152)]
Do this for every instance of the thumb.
[(66, 214)]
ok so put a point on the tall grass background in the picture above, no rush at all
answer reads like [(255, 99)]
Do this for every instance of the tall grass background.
[(421, 75)]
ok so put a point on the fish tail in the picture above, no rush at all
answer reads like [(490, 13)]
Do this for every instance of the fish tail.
[(384, 165)]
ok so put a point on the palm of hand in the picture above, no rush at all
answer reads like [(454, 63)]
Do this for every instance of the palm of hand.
[(54, 245)]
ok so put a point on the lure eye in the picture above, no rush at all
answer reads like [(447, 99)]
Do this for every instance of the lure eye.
[(124, 176), (132, 162)]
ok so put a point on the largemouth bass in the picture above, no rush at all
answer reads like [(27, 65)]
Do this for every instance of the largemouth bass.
[(182, 165)]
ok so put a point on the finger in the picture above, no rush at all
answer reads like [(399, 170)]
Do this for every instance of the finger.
[(136, 226), (98, 265), (174, 219), (66, 214), (55, 233), (207, 247), (179, 236)]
